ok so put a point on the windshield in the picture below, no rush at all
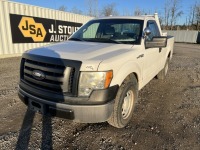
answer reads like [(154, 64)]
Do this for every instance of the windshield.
[(119, 31)]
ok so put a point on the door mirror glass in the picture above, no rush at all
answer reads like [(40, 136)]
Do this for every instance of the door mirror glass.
[(147, 31), (156, 42)]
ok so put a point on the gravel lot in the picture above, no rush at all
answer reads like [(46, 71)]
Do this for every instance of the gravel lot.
[(167, 115)]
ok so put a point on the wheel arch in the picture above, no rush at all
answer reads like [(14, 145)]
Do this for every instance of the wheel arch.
[(169, 55)]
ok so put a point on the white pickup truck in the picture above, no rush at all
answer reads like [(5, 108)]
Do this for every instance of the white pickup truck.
[(95, 76)]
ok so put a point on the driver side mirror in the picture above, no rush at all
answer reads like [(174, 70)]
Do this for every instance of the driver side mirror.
[(156, 42), (147, 31)]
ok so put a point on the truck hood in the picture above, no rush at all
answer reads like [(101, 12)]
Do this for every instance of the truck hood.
[(90, 53)]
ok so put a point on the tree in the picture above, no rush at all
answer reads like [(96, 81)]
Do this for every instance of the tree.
[(194, 17), (175, 12), (166, 13), (138, 12), (186, 22), (92, 7), (75, 10), (197, 15), (192, 14), (62, 8), (161, 20), (126, 12), (109, 10)]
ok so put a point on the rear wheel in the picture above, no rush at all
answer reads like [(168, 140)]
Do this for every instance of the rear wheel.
[(124, 103), (162, 74)]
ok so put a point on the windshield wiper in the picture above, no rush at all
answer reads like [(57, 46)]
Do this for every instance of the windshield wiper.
[(103, 40), (75, 39), (113, 41)]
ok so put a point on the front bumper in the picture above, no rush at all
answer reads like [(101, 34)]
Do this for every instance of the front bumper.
[(88, 113)]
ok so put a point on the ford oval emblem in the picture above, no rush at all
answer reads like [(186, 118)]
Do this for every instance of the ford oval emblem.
[(39, 75)]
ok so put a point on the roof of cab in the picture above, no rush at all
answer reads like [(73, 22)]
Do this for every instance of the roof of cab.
[(127, 17)]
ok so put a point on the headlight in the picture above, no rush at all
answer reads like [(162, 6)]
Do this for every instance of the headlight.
[(90, 81)]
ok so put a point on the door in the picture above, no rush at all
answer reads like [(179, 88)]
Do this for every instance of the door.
[(152, 55)]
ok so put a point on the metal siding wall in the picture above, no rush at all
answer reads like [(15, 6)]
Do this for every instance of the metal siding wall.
[(7, 7), (184, 36)]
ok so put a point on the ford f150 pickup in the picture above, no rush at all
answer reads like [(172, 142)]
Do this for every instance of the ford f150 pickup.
[(95, 76)]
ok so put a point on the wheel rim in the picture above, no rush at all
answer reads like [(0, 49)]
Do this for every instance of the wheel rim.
[(127, 104)]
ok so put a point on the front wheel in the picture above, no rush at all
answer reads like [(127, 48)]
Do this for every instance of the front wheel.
[(124, 104)]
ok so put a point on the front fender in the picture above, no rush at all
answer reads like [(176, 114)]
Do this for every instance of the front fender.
[(124, 71)]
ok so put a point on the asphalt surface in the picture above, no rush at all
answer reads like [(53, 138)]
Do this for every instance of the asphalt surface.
[(167, 115)]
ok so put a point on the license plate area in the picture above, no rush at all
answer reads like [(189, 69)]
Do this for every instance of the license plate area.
[(37, 107)]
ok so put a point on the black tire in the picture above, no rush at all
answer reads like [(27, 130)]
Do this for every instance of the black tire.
[(120, 118), (162, 74)]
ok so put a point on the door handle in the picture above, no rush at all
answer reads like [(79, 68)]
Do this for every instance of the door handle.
[(140, 56)]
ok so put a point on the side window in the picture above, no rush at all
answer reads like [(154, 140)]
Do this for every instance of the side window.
[(154, 30), (91, 31)]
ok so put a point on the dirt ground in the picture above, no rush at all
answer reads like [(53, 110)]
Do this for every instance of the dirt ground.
[(167, 115)]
